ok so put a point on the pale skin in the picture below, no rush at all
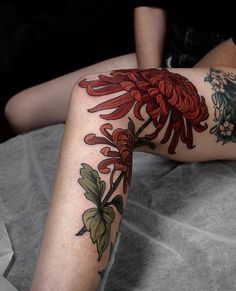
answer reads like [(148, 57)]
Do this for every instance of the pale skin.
[(150, 30), (47, 103), (70, 263)]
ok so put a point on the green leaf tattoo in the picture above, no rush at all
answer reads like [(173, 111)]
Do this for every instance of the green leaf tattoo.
[(131, 126), (224, 101), (98, 223), (118, 203), (92, 184)]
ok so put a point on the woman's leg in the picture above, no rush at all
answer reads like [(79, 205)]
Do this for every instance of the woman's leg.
[(180, 114), (47, 103)]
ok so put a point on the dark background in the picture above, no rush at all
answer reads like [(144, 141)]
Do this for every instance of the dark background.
[(40, 40)]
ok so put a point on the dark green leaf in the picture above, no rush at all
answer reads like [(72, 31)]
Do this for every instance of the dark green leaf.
[(225, 100), (214, 99), (143, 141), (227, 95), (82, 231), (92, 184), (208, 79), (224, 113), (118, 203), (98, 223), (131, 125), (220, 99), (228, 116)]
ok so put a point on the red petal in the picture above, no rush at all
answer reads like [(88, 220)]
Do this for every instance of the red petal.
[(104, 131), (103, 165), (137, 113), (120, 167), (133, 76), (83, 83), (163, 104), (136, 95), (162, 87), (112, 103), (114, 79), (106, 151), (189, 135), (174, 142), (104, 90), (168, 130), (120, 112), (143, 85), (96, 83), (128, 85), (92, 139)]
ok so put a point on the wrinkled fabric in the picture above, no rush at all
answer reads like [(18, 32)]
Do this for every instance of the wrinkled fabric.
[(178, 231), (6, 258)]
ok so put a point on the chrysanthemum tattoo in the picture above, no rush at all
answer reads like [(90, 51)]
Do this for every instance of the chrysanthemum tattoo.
[(170, 100)]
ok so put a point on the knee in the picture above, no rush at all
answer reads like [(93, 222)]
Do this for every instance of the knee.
[(87, 96), (18, 113), (100, 100), (80, 92), (104, 96)]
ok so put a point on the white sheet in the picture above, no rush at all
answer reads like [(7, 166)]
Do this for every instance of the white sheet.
[(6, 254), (179, 227)]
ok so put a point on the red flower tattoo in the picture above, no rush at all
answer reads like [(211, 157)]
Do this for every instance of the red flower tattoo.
[(121, 139), (169, 97)]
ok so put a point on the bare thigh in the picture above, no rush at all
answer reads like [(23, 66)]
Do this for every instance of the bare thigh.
[(47, 103)]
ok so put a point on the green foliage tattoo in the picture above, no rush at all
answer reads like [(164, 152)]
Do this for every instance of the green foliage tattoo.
[(97, 220), (224, 100)]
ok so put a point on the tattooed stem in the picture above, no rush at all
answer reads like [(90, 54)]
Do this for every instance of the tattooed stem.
[(112, 176), (112, 189), (146, 123)]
